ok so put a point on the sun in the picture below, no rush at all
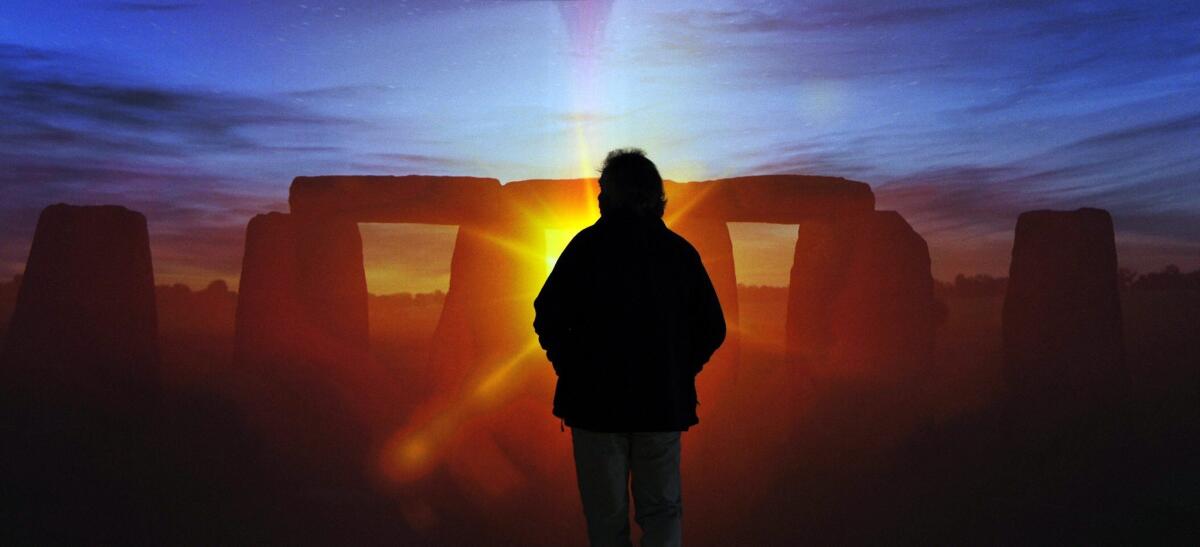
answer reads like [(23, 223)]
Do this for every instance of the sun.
[(556, 241), (415, 451), (559, 236)]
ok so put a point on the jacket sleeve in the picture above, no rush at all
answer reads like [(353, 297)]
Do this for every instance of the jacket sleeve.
[(556, 309), (708, 320)]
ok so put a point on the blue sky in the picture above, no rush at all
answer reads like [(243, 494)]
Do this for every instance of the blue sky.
[(960, 114)]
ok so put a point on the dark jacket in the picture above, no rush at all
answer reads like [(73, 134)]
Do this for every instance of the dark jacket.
[(628, 317)]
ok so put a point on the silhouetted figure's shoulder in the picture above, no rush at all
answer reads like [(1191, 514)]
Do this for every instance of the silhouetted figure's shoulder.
[(626, 227), (585, 236), (681, 249), (684, 245)]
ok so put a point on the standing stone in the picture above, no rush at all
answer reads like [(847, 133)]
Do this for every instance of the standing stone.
[(884, 320), (480, 310), (303, 292), (788, 199), (861, 306), (818, 265), (861, 322), (269, 315), (303, 375), (1062, 331), (85, 324), (302, 309), (418, 199), (487, 314), (332, 281)]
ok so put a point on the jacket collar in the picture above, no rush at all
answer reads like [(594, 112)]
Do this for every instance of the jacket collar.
[(621, 218)]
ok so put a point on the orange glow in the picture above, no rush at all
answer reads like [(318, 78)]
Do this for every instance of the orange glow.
[(425, 444), (556, 241), (558, 238), (677, 211), (414, 452), (501, 375), (401, 257)]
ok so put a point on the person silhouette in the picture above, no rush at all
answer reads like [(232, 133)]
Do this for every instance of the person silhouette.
[(628, 317)]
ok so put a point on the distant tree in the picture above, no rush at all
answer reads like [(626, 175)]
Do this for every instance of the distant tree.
[(217, 286), (979, 285), (1171, 278), (173, 292), (429, 298), (180, 309), (762, 292)]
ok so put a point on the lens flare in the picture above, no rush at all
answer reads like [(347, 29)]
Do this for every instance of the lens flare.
[(416, 451)]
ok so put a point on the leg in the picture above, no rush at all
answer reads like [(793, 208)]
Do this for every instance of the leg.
[(602, 468), (657, 492)]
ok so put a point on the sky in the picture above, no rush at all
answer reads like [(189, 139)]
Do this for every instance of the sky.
[(960, 114)]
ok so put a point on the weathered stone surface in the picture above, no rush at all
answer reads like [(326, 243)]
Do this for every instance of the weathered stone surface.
[(696, 200), (85, 323), (488, 310), (269, 315), (303, 290), (331, 279), (861, 302), (885, 314), (817, 275), (780, 199), (1062, 329), (553, 203), (412, 198), (287, 396), (302, 356)]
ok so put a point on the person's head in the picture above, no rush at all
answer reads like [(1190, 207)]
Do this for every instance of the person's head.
[(630, 183)]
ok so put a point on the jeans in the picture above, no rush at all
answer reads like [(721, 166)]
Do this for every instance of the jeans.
[(603, 465)]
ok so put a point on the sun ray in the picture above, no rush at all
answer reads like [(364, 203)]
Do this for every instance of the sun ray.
[(495, 380), (677, 211), (415, 451)]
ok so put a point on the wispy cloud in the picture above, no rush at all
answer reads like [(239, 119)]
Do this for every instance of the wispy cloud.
[(405, 163), (988, 196), (341, 91), (1187, 125), (962, 113), (158, 149), (966, 113), (1150, 197), (1013, 52), (182, 117), (151, 7)]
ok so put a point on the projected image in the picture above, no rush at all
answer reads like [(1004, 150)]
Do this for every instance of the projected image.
[(544, 273)]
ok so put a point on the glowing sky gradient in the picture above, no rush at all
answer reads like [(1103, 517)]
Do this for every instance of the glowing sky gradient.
[(960, 114)]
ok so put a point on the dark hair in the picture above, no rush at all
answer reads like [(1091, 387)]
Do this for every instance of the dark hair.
[(630, 182)]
